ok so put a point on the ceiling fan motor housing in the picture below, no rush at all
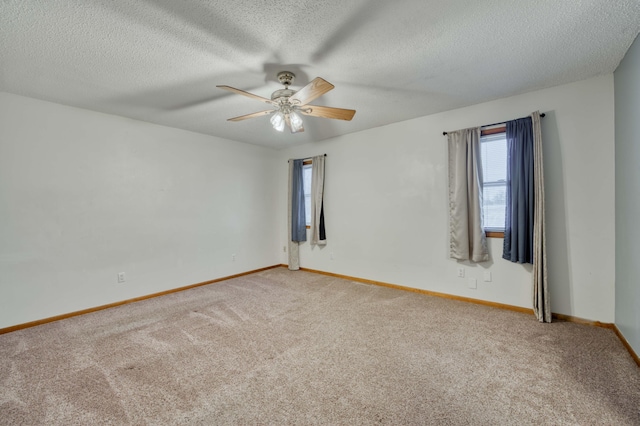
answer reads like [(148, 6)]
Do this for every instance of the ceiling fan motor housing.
[(282, 93), (282, 96)]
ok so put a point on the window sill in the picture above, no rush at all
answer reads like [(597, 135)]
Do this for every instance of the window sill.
[(494, 234)]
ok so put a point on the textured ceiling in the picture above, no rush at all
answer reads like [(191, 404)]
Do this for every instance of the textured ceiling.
[(160, 60)]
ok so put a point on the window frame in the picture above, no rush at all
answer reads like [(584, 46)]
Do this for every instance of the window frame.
[(487, 132)]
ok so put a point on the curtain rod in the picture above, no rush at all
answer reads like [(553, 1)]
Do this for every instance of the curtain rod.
[(500, 122), (308, 158)]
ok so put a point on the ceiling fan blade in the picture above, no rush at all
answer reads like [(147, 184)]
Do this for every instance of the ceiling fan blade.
[(328, 112), (247, 94), (255, 114), (311, 91)]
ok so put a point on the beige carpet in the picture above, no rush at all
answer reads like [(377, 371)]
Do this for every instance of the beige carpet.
[(280, 347)]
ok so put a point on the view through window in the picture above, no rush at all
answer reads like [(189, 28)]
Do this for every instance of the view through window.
[(306, 183)]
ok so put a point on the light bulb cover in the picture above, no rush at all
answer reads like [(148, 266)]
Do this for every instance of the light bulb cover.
[(277, 121), (296, 122)]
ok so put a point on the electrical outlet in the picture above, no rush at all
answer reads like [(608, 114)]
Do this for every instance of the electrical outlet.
[(121, 277), (487, 276), (461, 272), (284, 249), (473, 283), (331, 256), (233, 257)]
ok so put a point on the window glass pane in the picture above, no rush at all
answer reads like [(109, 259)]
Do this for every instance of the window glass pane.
[(494, 170), (493, 205), (306, 181), (494, 157)]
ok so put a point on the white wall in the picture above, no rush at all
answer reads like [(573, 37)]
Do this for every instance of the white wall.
[(627, 91), (85, 195), (387, 209)]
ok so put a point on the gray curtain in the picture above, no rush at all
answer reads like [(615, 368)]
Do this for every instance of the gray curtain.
[(318, 233), (524, 236), (518, 228), (467, 240), (541, 302), (296, 214)]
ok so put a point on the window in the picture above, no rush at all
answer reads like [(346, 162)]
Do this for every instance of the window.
[(493, 150), (306, 183)]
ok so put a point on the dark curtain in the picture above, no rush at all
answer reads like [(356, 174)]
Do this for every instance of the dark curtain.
[(323, 231), (518, 232), (298, 220)]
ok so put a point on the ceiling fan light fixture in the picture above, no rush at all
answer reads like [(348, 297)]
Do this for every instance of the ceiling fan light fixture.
[(277, 121), (296, 123)]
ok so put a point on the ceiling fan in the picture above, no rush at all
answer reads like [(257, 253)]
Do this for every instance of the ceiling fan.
[(288, 103)]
